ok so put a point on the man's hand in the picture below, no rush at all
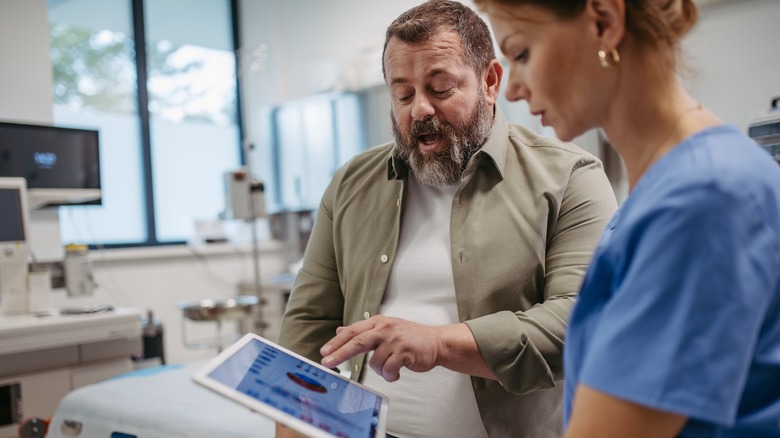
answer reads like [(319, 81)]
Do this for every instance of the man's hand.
[(396, 343)]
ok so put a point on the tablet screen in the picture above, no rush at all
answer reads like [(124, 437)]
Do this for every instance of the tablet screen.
[(284, 382)]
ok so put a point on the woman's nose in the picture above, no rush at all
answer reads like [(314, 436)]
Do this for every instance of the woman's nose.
[(516, 90)]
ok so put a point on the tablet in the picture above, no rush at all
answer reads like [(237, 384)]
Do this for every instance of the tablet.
[(290, 389)]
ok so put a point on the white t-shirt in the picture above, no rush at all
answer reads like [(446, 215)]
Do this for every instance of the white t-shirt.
[(421, 289)]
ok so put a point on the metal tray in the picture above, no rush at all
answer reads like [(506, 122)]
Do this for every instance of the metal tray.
[(219, 310)]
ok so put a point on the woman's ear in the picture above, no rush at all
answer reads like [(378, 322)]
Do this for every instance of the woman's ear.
[(609, 19)]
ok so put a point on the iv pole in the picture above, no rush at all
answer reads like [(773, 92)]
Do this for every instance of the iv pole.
[(247, 146)]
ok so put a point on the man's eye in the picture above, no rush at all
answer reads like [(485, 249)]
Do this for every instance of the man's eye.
[(441, 92), (404, 98)]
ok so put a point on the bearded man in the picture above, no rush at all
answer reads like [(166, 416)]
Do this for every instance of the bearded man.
[(448, 260)]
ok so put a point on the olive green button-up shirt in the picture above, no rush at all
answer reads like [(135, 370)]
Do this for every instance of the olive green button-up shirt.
[(525, 220)]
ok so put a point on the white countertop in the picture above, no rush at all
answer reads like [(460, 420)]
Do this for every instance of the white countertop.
[(30, 332)]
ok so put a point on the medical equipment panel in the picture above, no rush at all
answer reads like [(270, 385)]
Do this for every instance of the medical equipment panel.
[(14, 226), (766, 130)]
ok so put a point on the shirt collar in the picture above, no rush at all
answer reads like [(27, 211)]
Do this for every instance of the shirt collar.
[(495, 148)]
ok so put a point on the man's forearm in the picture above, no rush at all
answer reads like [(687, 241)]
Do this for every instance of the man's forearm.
[(460, 352)]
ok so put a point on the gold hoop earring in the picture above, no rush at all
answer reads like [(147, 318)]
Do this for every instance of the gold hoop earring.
[(603, 57)]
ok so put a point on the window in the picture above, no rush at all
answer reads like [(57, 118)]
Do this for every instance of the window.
[(167, 113)]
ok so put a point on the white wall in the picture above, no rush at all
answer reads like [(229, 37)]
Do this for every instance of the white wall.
[(25, 88), (25, 75), (312, 44), (734, 52), (317, 45)]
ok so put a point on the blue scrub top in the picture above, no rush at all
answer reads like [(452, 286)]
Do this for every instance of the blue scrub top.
[(680, 308)]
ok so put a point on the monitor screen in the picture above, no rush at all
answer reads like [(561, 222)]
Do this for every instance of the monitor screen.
[(50, 157), (11, 215)]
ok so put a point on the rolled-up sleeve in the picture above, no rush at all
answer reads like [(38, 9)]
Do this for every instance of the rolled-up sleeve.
[(525, 348)]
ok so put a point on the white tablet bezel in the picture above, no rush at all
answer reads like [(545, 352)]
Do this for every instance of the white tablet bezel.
[(202, 377)]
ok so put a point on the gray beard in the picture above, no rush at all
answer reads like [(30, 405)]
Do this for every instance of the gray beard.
[(444, 167)]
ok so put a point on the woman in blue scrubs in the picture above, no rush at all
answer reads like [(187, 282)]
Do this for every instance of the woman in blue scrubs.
[(677, 328)]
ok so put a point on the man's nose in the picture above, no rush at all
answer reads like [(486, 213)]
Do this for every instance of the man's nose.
[(422, 108)]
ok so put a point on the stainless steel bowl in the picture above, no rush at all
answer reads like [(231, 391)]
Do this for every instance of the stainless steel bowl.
[(219, 310)]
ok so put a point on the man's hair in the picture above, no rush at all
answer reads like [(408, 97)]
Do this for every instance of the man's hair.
[(420, 23)]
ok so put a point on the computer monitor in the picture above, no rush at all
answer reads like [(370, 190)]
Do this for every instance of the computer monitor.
[(61, 165), (14, 249)]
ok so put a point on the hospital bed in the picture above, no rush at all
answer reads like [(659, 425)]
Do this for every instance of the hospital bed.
[(160, 402)]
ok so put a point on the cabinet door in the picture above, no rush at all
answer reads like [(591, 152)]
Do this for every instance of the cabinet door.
[(313, 138), (319, 147), (350, 127), (290, 150)]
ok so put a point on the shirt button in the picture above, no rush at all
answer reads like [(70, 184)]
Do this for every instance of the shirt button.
[(384, 258), (355, 369), (366, 315)]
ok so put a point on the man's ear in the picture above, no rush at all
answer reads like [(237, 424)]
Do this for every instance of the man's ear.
[(609, 21), (492, 80)]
